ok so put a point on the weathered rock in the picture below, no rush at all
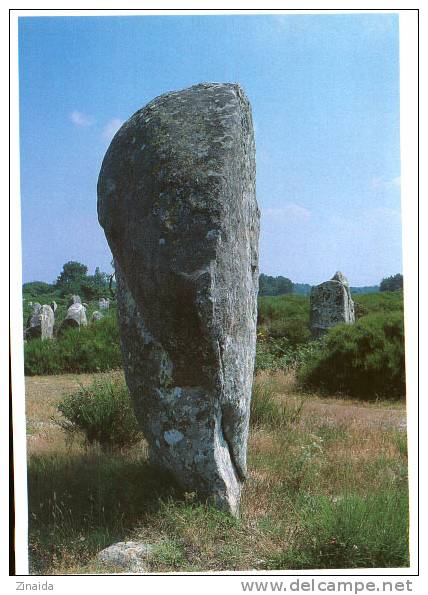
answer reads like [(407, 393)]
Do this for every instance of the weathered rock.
[(104, 304), (33, 330), (331, 304), (76, 317), (96, 316), (176, 198), (40, 323), (54, 306), (47, 321), (75, 299), (127, 555)]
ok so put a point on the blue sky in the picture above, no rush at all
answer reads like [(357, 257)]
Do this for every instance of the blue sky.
[(324, 91)]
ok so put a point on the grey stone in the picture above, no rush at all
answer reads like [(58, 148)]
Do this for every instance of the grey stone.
[(331, 304), (76, 317), (104, 304), (176, 198), (96, 316), (75, 299), (40, 323), (54, 306), (127, 555)]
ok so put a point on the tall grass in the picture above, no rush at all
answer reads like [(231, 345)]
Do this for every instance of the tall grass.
[(348, 532), (81, 503), (268, 410)]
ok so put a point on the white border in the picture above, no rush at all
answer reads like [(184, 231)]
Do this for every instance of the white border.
[(408, 38), (17, 353)]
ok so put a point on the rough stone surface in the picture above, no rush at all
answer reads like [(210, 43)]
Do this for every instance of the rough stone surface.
[(75, 299), (96, 316), (54, 306), (33, 329), (76, 316), (40, 323), (331, 304), (176, 198), (128, 555)]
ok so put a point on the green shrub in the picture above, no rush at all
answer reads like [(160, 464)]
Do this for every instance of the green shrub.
[(364, 360), (279, 354), (352, 531), (378, 303), (103, 412), (94, 348), (285, 316)]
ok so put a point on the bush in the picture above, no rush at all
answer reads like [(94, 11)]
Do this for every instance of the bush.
[(280, 354), (285, 316), (94, 348), (378, 303), (103, 412), (365, 360), (36, 288)]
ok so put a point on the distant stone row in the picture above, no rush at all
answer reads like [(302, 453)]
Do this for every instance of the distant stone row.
[(41, 321)]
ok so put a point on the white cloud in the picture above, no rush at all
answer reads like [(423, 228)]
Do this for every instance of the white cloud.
[(111, 128), (81, 119)]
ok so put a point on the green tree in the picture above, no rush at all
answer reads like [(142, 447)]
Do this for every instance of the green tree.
[(283, 286), (274, 285), (71, 278), (37, 288), (393, 283), (95, 286)]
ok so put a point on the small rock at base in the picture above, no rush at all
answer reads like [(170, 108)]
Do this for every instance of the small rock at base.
[(129, 555)]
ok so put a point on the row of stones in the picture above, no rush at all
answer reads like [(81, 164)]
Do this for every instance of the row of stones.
[(41, 321)]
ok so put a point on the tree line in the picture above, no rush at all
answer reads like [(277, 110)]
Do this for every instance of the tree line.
[(74, 279), (271, 286)]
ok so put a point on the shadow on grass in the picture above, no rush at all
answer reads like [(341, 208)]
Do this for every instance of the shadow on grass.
[(80, 504)]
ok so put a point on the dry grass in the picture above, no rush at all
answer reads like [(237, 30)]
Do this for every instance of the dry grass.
[(331, 453)]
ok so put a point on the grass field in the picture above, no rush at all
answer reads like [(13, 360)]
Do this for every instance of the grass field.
[(327, 488)]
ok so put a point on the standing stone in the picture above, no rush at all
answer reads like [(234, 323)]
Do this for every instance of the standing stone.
[(76, 317), (176, 198), (96, 316), (47, 321), (33, 330), (40, 323), (75, 299), (331, 304), (104, 304)]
